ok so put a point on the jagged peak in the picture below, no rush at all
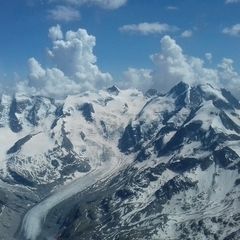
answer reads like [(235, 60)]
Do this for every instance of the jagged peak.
[(151, 92), (182, 87), (113, 90), (192, 93), (178, 89), (231, 99)]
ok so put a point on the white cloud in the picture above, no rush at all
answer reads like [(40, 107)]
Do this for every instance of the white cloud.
[(106, 4), (171, 66), (148, 28), (64, 13), (68, 10), (232, 1), (228, 76), (209, 57), (55, 33), (35, 69), (233, 30), (49, 81), (187, 34), (137, 78), (74, 67)]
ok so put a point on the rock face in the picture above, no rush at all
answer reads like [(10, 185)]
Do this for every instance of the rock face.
[(174, 161)]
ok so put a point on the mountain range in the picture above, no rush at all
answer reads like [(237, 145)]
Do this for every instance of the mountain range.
[(120, 164)]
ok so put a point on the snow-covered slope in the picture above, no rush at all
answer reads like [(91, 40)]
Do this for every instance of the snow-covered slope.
[(118, 164), (45, 141)]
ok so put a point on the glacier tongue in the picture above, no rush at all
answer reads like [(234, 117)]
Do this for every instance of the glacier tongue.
[(31, 225)]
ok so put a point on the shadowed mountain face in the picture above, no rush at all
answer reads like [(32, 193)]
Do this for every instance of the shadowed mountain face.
[(153, 166)]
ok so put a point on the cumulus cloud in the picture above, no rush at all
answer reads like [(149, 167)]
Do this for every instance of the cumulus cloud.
[(35, 69), (137, 78), (74, 66), (49, 81), (55, 33), (148, 28), (64, 13), (187, 34), (228, 76), (171, 66), (106, 4), (233, 30)]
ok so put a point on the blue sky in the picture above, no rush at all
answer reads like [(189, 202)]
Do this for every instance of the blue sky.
[(24, 31)]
